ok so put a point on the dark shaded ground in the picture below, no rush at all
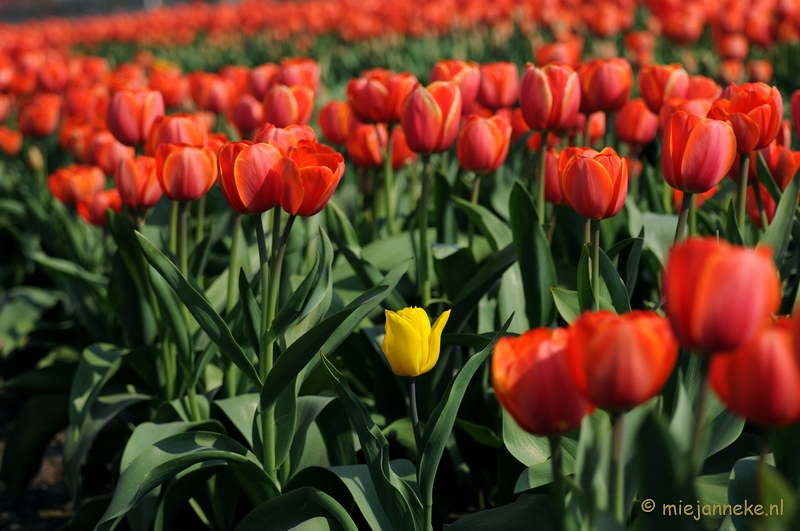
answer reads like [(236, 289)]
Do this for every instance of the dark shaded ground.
[(46, 504)]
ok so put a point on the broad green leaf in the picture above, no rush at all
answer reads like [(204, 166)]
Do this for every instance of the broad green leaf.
[(779, 232), (724, 426), (732, 232), (295, 509), (98, 364), (369, 275), (542, 474), (766, 178), (535, 260), (585, 292), (251, 313), (616, 288), (180, 489), (659, 232), (168, 457), (567, 303), (208, 319), (496, 232), (147, 434), (480, 434), (440, 423), (528, 449), (292, 308), (397, 497), (21, 309), (240, 410), (712, 490), (334, 425), (454, 265), (511, 300), (72, 272), (528, 513)]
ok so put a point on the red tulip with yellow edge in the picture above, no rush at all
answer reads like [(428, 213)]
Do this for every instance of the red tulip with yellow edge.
[(181, 128), (284, 106), (466, 75), (718, 295), (252, 175), (658, 83), (550, 97), (137, 182), (482, 144), (532, 381), (431, 117), (186, 173)]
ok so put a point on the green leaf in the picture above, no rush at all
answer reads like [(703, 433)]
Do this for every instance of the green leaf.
[(35, 426), (291, 310), (535, 258), (712, 490), (167, 457), (397, 497), (732, 232), (528, 449), (567, 303), (766, 178), (585, 293), (72, 272), (480, 434), (779, 232), (659, 232), (440, 423), (180, 489), (334, 425), (21, 309), (50, 379), (199, 307), (147, 434), (98, 364), (528, 513), (339, 225), (251, 313), (302, 509), (496, 232), (454, 265), (240, 410), (174, 319), (616, 288), (724, 426)]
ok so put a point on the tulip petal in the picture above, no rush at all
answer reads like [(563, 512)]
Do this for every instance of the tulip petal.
[(587, 187), (402, 345), (708, 155), (434, 343)]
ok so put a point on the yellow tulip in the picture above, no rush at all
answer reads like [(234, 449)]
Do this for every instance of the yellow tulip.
[(411, 345)]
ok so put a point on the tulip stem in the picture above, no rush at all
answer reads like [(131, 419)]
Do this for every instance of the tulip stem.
[(476, 188), (762, 212), (699, 424), (741, 191), (412, 189), (541, 177), (173, 229), (265, 361), (596, 262), (388, 173), (201, 220), (412, 405), (683, 216), (183, 255), (587, 231), (693, 216), (557, 463), (617, 482), (424, 280), (232, 373)]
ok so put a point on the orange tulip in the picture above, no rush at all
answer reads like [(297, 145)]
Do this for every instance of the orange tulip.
[(107, 152), (697, 152), (568, 53), (380, 95), (635, 124), (701, 87), (39, 116), (313, 177), (181, 128), (299, 71), (658, 83), (94, 209), (76, 182), (595, 186), (247, 115), (550, 97), (499, 85), (552, 182), (173, 86), (401, 153), (137, 182), (760, 380), (731, 71), (759, 70), (699, 107), (186, 173), (466, 76), (131, 114), (532, 382), (366, 144), (10, 141), (605, 85), (620, 361), (718, 295), (252, 176), (285, 137), (288, 105), (336, 119), (261, 79), (783, 164), (431, 117), (482, 144), (754, 110), (212, 92)]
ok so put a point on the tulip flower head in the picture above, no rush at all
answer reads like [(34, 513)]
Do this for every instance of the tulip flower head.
[(131, 114), (719, 295), (137, 182), (431, 117), (411, 344), (465, 75), (595, 186), (284, 106), (754, 110), (635, 124), (531, 380), (186, 173), (252, 175), (181, 128), (94, 209), (336, 119), (658, 83), (76, 182), (310, 178), (605, 85), (482, 143), (366, 144), (498, 85), (285, 137), (550, 97)]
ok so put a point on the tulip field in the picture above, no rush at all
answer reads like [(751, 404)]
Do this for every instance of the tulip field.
[(402, 266)]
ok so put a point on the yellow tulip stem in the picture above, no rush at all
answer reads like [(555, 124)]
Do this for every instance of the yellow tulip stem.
[(741, 191), (617, 468), (541, 178), (762, 212), (412, 405), (476, 188), (388, 174), (699, 424), (265, 356), (557, 464), (422, 216), (680, 229), (596, 262)]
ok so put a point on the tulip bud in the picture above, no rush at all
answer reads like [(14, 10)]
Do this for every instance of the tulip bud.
[(186, 173), (311, 179), (620, 361), (137, 182), (262, 78), (181, 128), (718, 295), (131, 115), (605, 85), (10, 141), (366, 144), (285, 137), (552, 182), (697, 152), (75, 183), (431, 117), (499, 85), (482, 144), (35, 159), (658, 83), (411, 344), (760, 380), (298, 71), (465, 75), (754, 110), (550, 97), (94, 209), (595, 186), (759, 71), (635, 124), (288, 105), (251, 176), (247, 115), (532, 382), (336, 119)]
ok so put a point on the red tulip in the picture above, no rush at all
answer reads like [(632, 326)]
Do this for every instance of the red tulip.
[(262, 78), (401, 153), (731, 71), (313, 177), (466, 76), (784, 136), (733, 46), (640, 46), (186, 173), (380, 95), (137, 182), (518, 126), (701, 87), (759, 71), (173, 86), (498, 88), (131, 114), (299, 71), (94, 209), (107, 152), (697, 152), (288, 105), (754, 110), (605, 85), (552, 181), (336, 119), (482, 143), (700, 107), (620, 361), (568, 53), (597, 127), (366, 144), (658, 83), (595, 186), (431, 117), (635, 124), (285, 137), (783, 163), (39, 116), (760, 380), (532, 382), (212, 92), (550, 97), (252, 176), (247, 115), (10, 141), (76, 182), (718, 295), (5, 106), (182, 128)]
